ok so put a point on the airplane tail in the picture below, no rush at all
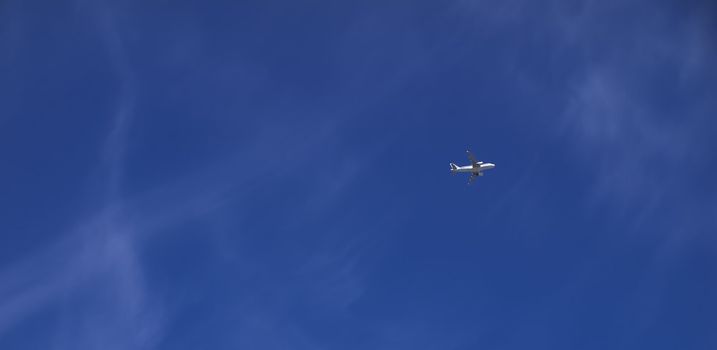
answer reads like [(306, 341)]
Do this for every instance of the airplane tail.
[(454, 167)]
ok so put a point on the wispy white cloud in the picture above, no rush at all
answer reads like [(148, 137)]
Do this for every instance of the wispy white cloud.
[(629, 140), (622, 143), (77, 261), (116, 143), (98, 267), (98, 259), (98, 247), (101, 258)]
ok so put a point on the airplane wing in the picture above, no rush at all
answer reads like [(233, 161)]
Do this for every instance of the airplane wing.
[(472, 178), (472, 158)]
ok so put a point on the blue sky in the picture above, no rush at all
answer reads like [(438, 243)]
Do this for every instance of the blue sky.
[(274, 175)]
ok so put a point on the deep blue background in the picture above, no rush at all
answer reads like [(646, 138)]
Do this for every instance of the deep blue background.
[(274, 175)]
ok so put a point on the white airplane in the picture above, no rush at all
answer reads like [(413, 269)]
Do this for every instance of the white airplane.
[(475, 169)]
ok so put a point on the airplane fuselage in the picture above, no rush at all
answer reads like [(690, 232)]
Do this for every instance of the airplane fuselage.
[(473, 169)]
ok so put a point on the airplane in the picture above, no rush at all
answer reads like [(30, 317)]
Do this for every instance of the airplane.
[(476, 168)]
